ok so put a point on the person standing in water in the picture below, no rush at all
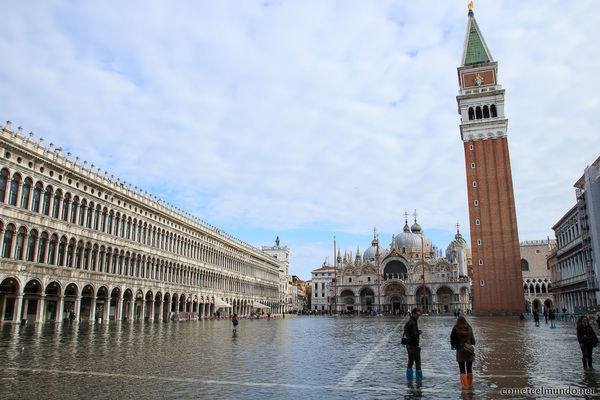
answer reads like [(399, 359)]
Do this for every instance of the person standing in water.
[(587, 340), (234, 321), (462, 340), (412, 334)]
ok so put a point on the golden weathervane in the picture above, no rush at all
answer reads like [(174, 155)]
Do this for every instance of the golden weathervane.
[(470, 5)]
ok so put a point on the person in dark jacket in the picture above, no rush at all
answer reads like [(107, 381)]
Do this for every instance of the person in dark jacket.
[(587, 340), (552, 318), (462, 334), (536, 317), (412, 334), (234, 321)]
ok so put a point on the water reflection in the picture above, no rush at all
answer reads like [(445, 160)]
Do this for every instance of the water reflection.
[(314, 357)]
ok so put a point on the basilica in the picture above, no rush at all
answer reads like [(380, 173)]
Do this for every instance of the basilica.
[(410, 272)]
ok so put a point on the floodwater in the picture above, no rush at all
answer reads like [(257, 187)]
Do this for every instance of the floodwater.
[(309, 357)]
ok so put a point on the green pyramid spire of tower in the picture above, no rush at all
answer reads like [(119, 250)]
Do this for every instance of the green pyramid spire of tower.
[(475, 50)]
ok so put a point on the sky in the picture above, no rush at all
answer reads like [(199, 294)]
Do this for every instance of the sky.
[(306, 119)]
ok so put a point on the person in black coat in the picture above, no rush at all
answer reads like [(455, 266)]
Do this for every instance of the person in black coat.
[(462, 334), (552, 318), (412, 334), (587, 340), (536, 317)]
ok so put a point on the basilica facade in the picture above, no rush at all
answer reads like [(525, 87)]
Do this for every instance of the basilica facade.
[(408, 273)]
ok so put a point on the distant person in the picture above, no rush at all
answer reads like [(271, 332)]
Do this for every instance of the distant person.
[(587, 340), (521, 317), (536, 317), (552, 318), (462, 340), (412, 335), (546, 315), (71, 316), (234, 321)]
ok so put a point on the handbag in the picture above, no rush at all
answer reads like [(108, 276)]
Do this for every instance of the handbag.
[(468, 349), (404, 341)]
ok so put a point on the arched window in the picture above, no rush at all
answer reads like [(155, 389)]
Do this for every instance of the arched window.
[(94, 258), (52, 249), (65, 207), (90, 212), (524, 265), (103, 219), (122, 234), (117, 220), (478, 112), (7, 242), (56, 204), (62, 248), (471, 114), (31, 242), (46, 201), (96, 217), (78, 254), (74, 208), (493, 111), (70, 253), (86, 257), (486, 112), (128, 229), (25, 193), (109, 223), (43, 244), (14, 189), (4, 175), (82, 209), (37, 193), (20, 243)]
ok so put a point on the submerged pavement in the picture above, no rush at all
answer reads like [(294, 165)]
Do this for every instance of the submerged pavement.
[(312, 357)]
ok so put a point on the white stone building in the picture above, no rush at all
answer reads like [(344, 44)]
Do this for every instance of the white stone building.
[(78, 242), (322, 288), (537, 278)]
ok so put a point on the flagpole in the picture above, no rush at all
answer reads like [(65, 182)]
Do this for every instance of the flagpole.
[(334, 274), (378, 279)]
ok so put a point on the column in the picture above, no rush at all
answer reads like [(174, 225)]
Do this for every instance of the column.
[(151, 314), (160, 310), (77, 308), (59, 309), (92, 316), (3, 309), (119, 310), (106, 313), (41, 305), (143, 310), (18, 307), (131, 309), (13, 243)]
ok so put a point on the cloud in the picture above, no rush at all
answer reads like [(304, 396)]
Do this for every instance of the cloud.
[(305, 115)]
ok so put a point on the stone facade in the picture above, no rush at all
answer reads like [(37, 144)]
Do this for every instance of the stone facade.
[(575, 273), (76, 242), (496, 269), (537, 277), (409, 273)]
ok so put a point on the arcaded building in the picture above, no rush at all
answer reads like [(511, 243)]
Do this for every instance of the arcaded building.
[(537, 276), (78, 243), (575, 262)]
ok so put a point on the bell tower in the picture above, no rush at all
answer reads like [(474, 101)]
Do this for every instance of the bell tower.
[(496, 259)]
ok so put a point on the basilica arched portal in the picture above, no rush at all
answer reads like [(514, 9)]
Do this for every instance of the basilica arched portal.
[(394, 298)]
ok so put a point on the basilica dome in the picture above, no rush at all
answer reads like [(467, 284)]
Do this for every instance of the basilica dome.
[(410, 239), (458, 243)]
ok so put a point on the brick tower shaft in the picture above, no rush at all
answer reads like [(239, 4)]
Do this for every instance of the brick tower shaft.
[(496, 272)]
